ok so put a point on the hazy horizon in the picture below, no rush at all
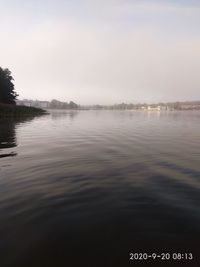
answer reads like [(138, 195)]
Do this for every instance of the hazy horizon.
[(105, 52), (108, 104)]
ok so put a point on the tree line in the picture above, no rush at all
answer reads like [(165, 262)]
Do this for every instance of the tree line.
[(56, 104), (7, 89)]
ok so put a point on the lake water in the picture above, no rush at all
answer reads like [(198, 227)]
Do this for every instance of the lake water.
[(87, 188)]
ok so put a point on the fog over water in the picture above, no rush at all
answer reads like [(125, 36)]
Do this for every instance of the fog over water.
[(102, 51)]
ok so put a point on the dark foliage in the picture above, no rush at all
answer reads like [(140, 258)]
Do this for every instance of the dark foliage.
[(14, 111), (7, 90)]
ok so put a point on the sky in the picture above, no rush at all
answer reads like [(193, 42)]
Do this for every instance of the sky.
[(102, 51)]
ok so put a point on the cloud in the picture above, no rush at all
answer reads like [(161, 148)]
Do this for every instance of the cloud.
[(106, 61)]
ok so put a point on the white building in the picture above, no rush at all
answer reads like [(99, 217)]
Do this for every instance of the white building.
[(157, 108)]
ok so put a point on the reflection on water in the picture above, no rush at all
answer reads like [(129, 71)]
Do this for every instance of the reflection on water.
[(59, 114), (7, 138), (8, 135), (89, 187), (12, 154)]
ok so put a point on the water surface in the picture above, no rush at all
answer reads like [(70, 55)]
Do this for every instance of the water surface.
[(86, 188)]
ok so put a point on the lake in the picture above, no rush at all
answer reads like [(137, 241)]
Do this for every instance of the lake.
[(87, 188)]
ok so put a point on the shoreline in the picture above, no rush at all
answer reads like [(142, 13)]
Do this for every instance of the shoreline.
[(14, 111)]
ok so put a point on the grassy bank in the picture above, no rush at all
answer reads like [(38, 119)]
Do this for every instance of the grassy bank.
[(13, 111)]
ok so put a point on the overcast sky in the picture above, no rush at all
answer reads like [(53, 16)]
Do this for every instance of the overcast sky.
[(102, 51)]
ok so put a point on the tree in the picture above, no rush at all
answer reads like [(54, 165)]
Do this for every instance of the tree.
[(7, 90), (73, 105), (177, 105)]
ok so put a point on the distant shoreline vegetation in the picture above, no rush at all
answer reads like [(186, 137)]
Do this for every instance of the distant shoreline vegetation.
[(13, 111), (53, 104), (170, 106), (56, 104)]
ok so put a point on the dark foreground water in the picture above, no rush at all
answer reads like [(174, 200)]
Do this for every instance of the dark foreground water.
[(88, 188)]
